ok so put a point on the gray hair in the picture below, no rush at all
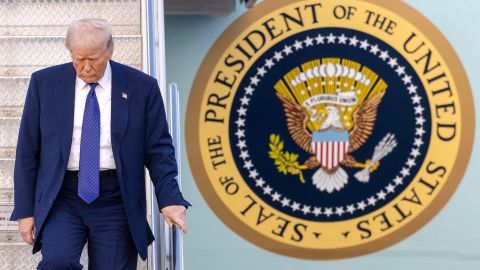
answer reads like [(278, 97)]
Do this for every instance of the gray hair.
[(100, 24)]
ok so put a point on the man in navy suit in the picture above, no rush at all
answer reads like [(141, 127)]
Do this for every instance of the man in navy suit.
[(88, 129)]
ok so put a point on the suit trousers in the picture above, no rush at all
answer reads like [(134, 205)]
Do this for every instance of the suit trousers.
[(102, 224)]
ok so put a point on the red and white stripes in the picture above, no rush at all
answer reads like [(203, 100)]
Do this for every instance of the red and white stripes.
[(330, 154)]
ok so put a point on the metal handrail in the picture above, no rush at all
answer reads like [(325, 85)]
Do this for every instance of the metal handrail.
[(176, 247), (175, 235)]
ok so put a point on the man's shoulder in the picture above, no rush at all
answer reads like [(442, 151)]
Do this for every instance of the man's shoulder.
[(132, 74), (53, 71)]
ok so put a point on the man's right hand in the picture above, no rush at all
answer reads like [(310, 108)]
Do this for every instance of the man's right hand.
[(26, 227)]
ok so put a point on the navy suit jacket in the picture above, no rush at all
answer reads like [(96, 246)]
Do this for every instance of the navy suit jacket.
[(139, 136)]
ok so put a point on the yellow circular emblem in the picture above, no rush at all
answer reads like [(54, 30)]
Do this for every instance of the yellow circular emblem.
[(329, 129)]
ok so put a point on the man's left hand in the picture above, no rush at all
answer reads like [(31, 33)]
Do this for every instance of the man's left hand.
[(175, 214)]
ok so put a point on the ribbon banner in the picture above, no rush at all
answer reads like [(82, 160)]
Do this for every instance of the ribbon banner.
[(343, 99)]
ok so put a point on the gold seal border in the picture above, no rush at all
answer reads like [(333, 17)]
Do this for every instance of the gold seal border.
[(225, 215)]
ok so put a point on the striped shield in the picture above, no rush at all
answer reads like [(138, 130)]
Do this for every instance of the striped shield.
[(330, 147)]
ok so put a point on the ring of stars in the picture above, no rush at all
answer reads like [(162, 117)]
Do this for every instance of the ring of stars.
[(362, 205)]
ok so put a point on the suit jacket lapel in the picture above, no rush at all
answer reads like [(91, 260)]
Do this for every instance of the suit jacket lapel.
[(65, 104), (120, 102)]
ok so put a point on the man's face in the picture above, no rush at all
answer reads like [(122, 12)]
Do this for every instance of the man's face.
[(90, 63)]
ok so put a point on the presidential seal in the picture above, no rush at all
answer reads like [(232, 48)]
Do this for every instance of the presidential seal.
[(329, 129)]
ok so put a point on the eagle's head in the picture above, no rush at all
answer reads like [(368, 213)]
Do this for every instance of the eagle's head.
[(333, 119)]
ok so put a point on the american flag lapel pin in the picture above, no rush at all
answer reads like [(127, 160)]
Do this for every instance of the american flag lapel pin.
[(124, 95)]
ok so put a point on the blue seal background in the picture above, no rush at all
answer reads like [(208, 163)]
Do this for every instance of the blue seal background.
[(266, 116)]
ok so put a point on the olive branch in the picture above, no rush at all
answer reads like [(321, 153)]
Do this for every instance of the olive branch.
[(286, 162)]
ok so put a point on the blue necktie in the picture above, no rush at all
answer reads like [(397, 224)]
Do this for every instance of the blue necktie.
[(89, 171)]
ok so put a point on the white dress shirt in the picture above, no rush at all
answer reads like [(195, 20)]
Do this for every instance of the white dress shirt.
[(103, 92)]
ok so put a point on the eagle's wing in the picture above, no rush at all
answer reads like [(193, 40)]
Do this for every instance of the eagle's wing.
[(364, 120), (297, 123)]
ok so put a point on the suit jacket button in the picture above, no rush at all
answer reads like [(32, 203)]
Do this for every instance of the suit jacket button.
[(51, 201)]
